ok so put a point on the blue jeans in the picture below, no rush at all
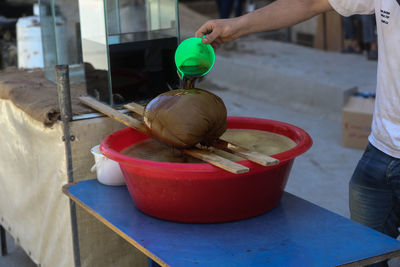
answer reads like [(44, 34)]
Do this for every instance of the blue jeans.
[(375, 191), (225, 8), (349, 28), (368, 27)]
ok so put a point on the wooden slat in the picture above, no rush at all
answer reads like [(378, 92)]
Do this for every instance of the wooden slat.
[(112, 113), (206, 156), (245, 153), (139, 109), (216, 160)]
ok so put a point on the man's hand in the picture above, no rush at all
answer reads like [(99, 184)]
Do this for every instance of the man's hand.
[(216, 32)]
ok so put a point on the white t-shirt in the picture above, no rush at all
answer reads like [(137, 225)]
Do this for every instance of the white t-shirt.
[(385, 133)]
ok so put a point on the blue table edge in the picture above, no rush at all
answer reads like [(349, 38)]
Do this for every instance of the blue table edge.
[(154, 260)]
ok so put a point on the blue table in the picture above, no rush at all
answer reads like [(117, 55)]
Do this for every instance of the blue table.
[(295, 233)]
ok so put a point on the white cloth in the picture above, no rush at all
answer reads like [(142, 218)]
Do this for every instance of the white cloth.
[(385, 133), (33, 208)]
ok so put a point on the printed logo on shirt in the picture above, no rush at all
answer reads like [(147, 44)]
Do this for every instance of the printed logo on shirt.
[(385, 15)]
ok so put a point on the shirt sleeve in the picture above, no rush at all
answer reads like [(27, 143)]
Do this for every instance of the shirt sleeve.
[(351, 7)]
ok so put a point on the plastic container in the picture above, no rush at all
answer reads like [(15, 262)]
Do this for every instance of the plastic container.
[(29, 40), (200, 192), (193, 58), (108, 171)]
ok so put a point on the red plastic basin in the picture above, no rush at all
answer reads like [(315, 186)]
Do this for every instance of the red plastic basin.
[(200, 192)]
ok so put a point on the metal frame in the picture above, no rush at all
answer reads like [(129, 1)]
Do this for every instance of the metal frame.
[(64, 100), (3, 240)]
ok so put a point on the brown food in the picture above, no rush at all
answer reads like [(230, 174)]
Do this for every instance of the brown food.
[(183, 118)]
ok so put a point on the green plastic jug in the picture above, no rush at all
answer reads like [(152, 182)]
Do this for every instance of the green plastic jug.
[(193, 58)]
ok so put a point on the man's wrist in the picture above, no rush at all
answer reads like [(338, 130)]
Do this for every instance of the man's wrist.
[(241, 26)]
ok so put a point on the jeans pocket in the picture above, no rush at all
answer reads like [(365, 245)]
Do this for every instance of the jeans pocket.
[(371, 169), (367, 155), (369, 148)]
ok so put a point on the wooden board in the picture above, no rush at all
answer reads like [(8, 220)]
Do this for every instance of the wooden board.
[(134, 107), (216, 160), (253, 156), (113, 113)]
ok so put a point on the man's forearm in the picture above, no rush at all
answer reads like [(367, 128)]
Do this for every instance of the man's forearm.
[(280, 14)]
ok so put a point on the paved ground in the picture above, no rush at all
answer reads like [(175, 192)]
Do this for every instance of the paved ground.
[(16, 256)]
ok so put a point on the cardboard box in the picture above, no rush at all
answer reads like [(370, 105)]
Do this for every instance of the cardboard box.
[(356, 121)]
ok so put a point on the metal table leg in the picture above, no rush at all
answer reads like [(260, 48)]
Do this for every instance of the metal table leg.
[(64, 99), (3, 241)]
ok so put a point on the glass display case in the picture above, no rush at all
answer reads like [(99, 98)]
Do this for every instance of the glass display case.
[(128, 48), (59, 22)]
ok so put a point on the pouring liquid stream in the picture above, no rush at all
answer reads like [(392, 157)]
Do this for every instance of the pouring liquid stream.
[(191, 74)]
